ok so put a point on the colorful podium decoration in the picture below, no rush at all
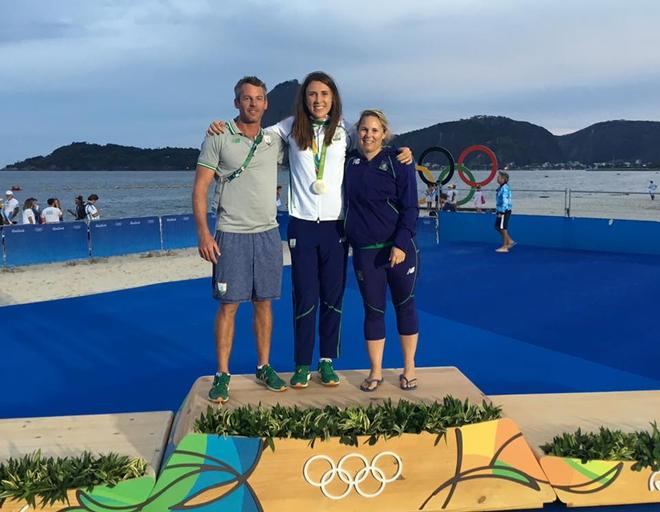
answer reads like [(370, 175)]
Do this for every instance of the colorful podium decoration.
[(486, 466), (600, 482)]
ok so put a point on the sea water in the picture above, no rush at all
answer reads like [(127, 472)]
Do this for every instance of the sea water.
[(618, 194)]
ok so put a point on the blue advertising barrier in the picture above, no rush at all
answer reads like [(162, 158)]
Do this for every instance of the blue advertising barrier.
[(283, 221), (178, 231), (45, 243), (27, 245), (113, 237)]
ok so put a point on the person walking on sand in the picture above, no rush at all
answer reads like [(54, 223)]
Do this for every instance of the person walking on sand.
[(652, 188), (11, 207), (479, 200), (52, 213), (28, 212), (246, 250), (91, 210), (503, 211), (429, 195)]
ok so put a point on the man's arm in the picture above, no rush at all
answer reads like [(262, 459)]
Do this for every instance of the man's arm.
[(206, 244)]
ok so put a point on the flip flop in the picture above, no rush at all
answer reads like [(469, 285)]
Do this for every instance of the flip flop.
[(366, 385), (407, 385), (512, 244)]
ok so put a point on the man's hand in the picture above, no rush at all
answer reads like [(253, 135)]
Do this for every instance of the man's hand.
[(208, 248), (405, 156), (216, 128), (396, 256)]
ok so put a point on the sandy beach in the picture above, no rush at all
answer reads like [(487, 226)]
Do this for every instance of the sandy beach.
[(36, 283)]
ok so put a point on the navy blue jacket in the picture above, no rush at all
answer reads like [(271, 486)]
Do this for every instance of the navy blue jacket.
[(381, 197)]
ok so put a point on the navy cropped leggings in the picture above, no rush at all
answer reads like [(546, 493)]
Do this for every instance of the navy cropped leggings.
[(374, 274)]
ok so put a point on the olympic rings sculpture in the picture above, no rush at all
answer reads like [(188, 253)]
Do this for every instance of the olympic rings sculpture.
[(352, 481), (427, 178)]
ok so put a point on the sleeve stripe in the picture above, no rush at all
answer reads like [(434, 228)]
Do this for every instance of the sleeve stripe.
[(208, 166)]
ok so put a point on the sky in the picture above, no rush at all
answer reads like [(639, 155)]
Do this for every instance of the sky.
[(154, 73)]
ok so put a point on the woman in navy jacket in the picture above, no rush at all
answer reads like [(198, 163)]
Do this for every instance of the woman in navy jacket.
[(382, 211)]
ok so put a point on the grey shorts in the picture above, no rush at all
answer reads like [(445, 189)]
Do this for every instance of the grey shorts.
[(249, 266)]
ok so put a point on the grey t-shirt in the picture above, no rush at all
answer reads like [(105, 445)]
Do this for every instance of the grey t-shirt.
[(246, 203)]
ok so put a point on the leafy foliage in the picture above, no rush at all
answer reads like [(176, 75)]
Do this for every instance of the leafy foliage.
[(35, 477), (376, 420), (642, 447)]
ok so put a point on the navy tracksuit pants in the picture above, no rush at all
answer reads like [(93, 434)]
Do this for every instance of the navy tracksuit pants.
[(318, 270)]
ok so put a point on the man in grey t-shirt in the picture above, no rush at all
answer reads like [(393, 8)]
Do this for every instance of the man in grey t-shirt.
[(246, 251)]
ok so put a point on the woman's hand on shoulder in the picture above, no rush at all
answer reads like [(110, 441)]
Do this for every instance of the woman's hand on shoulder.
[(396, 256), (216, 128), (405, 156)]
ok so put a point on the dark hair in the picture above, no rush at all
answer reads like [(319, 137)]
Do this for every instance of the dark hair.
[(251, 80), (93, 197), (51, 201), (28, 204), (302, 126)]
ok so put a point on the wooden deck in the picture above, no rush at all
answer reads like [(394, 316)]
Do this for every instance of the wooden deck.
[(434, 384), (136, 435), (543, 416)]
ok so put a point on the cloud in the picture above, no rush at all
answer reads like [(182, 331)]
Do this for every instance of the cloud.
[(155, 71)]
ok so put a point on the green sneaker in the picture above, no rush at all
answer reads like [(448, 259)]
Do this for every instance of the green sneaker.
[(327, 374), (270, 379), (300, 378), (219, 392)]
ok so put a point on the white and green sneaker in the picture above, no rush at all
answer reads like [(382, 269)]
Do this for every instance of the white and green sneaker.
[(300, 378), (327, 373)]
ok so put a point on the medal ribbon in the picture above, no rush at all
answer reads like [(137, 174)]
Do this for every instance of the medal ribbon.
[(319, 158)]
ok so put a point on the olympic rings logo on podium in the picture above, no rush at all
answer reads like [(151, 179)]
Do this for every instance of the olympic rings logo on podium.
[(447, 175), (654, 482), (352, 481)]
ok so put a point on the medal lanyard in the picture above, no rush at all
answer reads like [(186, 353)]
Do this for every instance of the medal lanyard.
[(319, 158), (248, 158)]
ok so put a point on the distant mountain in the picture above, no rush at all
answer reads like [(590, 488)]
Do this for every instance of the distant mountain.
[(512, 141), (81, 156), (517, 142), (613, 141), (280, 102)]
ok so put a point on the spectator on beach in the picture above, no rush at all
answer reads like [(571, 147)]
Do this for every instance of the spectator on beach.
[(11, 207), (429, 196), (278, 200), (91, 210), (52, 213), (503, 207), (29, 216), (382, 212), (246, 251), (3, 220), (478, 200), (451, 201), (78, 212), (652, 188)]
